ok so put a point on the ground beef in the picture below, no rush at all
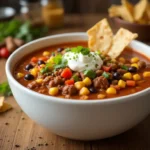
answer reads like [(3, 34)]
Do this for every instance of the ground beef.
[(52, 83), (69, 90), (121, 71), (58, 80), (99, 72), (101, 83), (47, 79), (142, 64), (32, 85)]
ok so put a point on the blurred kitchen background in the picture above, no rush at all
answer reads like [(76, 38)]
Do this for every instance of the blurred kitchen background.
[(73, 6)]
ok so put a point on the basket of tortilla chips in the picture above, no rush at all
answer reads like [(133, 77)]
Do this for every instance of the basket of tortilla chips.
[(134, 17)]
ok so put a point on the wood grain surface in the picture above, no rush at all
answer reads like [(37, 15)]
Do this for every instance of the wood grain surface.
[(19, 132)]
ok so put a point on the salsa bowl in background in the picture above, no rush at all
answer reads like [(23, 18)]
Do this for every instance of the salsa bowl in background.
[(78, 119), (142, 30)]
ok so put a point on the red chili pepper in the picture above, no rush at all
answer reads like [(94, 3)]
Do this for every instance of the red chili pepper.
[(66, 73), (4, 52), (43, 58), (106, 68), (69, 82), (34, 59), (130, 83)]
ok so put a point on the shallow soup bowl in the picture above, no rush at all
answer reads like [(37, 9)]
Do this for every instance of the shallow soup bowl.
[(78, 119)]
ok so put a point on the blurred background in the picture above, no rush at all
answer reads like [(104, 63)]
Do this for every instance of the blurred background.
[(75, 6)]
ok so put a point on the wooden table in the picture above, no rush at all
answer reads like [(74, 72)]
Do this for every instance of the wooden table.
[(19, 132)]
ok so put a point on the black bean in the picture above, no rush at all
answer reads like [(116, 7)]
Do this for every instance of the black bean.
[(132, 69), (40, 62), (60, 49), (116, 75), (92, 89), (28, 67), (29, 77)]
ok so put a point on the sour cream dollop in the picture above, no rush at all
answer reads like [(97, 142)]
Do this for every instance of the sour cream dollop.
[(79, 62)]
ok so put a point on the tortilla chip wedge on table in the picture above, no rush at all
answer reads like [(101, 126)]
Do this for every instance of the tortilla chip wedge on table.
[(109, 44), (4, 106), (100, 36)]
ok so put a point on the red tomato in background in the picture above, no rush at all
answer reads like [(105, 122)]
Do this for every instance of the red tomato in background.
[(4, 52)]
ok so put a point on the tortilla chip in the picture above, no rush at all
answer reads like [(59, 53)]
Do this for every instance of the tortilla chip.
[(100, 36), (128, 5), (1, 101), (5, 107), (148, 11), (139, 9), (120, 11), (122, 38)]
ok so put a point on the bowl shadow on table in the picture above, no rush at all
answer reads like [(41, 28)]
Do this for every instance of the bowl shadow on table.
[(136, 138)]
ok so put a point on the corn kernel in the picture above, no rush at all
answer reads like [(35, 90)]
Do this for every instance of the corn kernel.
[(53, 91), (79, 85), (136, 77), (87, 81), (146, 74), (39, 81), (111, 90), (135, 65), (101, 96), (42, 65), (127, 75), (122, 84), (51, 60), (46, 53), (19, 75), (34, 71), (134, 60), (84, 91), (122, 59)]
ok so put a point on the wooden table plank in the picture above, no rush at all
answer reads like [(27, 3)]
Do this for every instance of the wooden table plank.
[(27, 134)]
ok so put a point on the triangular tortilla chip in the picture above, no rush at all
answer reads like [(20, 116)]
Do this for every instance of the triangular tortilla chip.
[(120, 11), (128, 5), (5, 107), (122, 38), (1, 101), (100, 36), (139, 9), (148, 11)]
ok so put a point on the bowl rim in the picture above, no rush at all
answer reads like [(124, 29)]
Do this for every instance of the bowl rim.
[(129, 23), (64, 100)]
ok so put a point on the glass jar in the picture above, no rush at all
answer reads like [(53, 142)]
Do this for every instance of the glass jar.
[(30, 9), (53, 13)]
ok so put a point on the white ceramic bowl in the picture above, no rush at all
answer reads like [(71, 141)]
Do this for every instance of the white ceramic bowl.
[(83, 120)]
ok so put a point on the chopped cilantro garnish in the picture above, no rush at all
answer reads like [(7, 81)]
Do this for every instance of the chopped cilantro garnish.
[(90, 73), (67, 49), (75, 78), (5, 89), (106, 75), (124, 67), (62, 64), (46, 69), (58, 59)]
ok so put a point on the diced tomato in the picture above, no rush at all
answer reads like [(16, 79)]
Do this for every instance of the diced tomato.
[(43, 58), (34, 59), (116, 87), (106, 68), (69, 82), (66, 73), (130, 83), (4, 52)]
